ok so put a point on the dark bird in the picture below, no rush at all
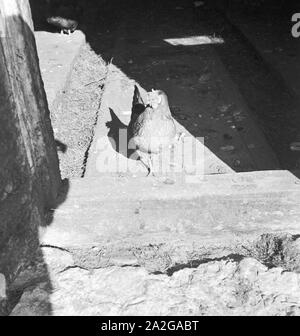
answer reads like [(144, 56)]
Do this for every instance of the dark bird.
[(65, 25), (152, 127)]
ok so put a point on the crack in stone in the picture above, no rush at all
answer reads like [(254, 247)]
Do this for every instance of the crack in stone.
[(196, 263), (55, 247)]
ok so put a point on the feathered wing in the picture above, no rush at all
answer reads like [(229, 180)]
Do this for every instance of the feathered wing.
[(152, 131)]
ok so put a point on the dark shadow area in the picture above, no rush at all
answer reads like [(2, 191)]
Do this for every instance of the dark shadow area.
[(134, 32), (118, 129), (30, 187), (196, 263), (61, 147), (34, 275), (34, 279), (275, 107)]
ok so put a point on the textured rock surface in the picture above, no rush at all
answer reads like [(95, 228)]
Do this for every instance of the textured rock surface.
[(224, 287), (75, 110)]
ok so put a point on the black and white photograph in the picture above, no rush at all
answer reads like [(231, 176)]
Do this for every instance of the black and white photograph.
[(149, 161)]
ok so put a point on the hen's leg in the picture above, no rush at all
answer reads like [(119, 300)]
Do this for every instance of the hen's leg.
[(147, 162), (150, 165), (143, 158), (179, 136)]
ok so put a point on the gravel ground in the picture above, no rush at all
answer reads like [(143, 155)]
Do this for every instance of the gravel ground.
[(74, 118)]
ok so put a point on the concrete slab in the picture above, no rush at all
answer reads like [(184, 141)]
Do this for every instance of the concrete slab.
[(118, 214), (57, 54)]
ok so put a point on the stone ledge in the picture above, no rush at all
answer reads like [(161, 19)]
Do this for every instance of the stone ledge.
[(218, 214), (57, 54)]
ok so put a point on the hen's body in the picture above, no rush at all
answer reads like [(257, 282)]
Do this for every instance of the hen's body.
[(152, 128)]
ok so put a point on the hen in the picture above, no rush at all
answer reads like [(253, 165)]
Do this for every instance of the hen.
[(65, 25), (152, 127)]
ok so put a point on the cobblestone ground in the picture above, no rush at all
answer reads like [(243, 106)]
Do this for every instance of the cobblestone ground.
[(225, 287)]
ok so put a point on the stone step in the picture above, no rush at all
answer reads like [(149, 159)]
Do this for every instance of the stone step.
[(57, 54), (115, 114), (203, 98), (118, 215)]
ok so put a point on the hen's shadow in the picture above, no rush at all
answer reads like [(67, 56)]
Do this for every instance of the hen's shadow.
[(119, 136)]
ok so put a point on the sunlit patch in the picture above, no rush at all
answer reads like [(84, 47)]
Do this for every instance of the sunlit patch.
[(128, 112), (194, 40)]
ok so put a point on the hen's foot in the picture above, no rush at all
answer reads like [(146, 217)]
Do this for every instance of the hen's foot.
[(147, 162), (179, 136)]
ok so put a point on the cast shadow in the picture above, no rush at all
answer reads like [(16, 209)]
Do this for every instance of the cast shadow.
[(119, 134), (60, 146), (30, 206), (119, 137)]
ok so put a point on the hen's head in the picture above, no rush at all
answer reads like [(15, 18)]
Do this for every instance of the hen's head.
[(157, 98)]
